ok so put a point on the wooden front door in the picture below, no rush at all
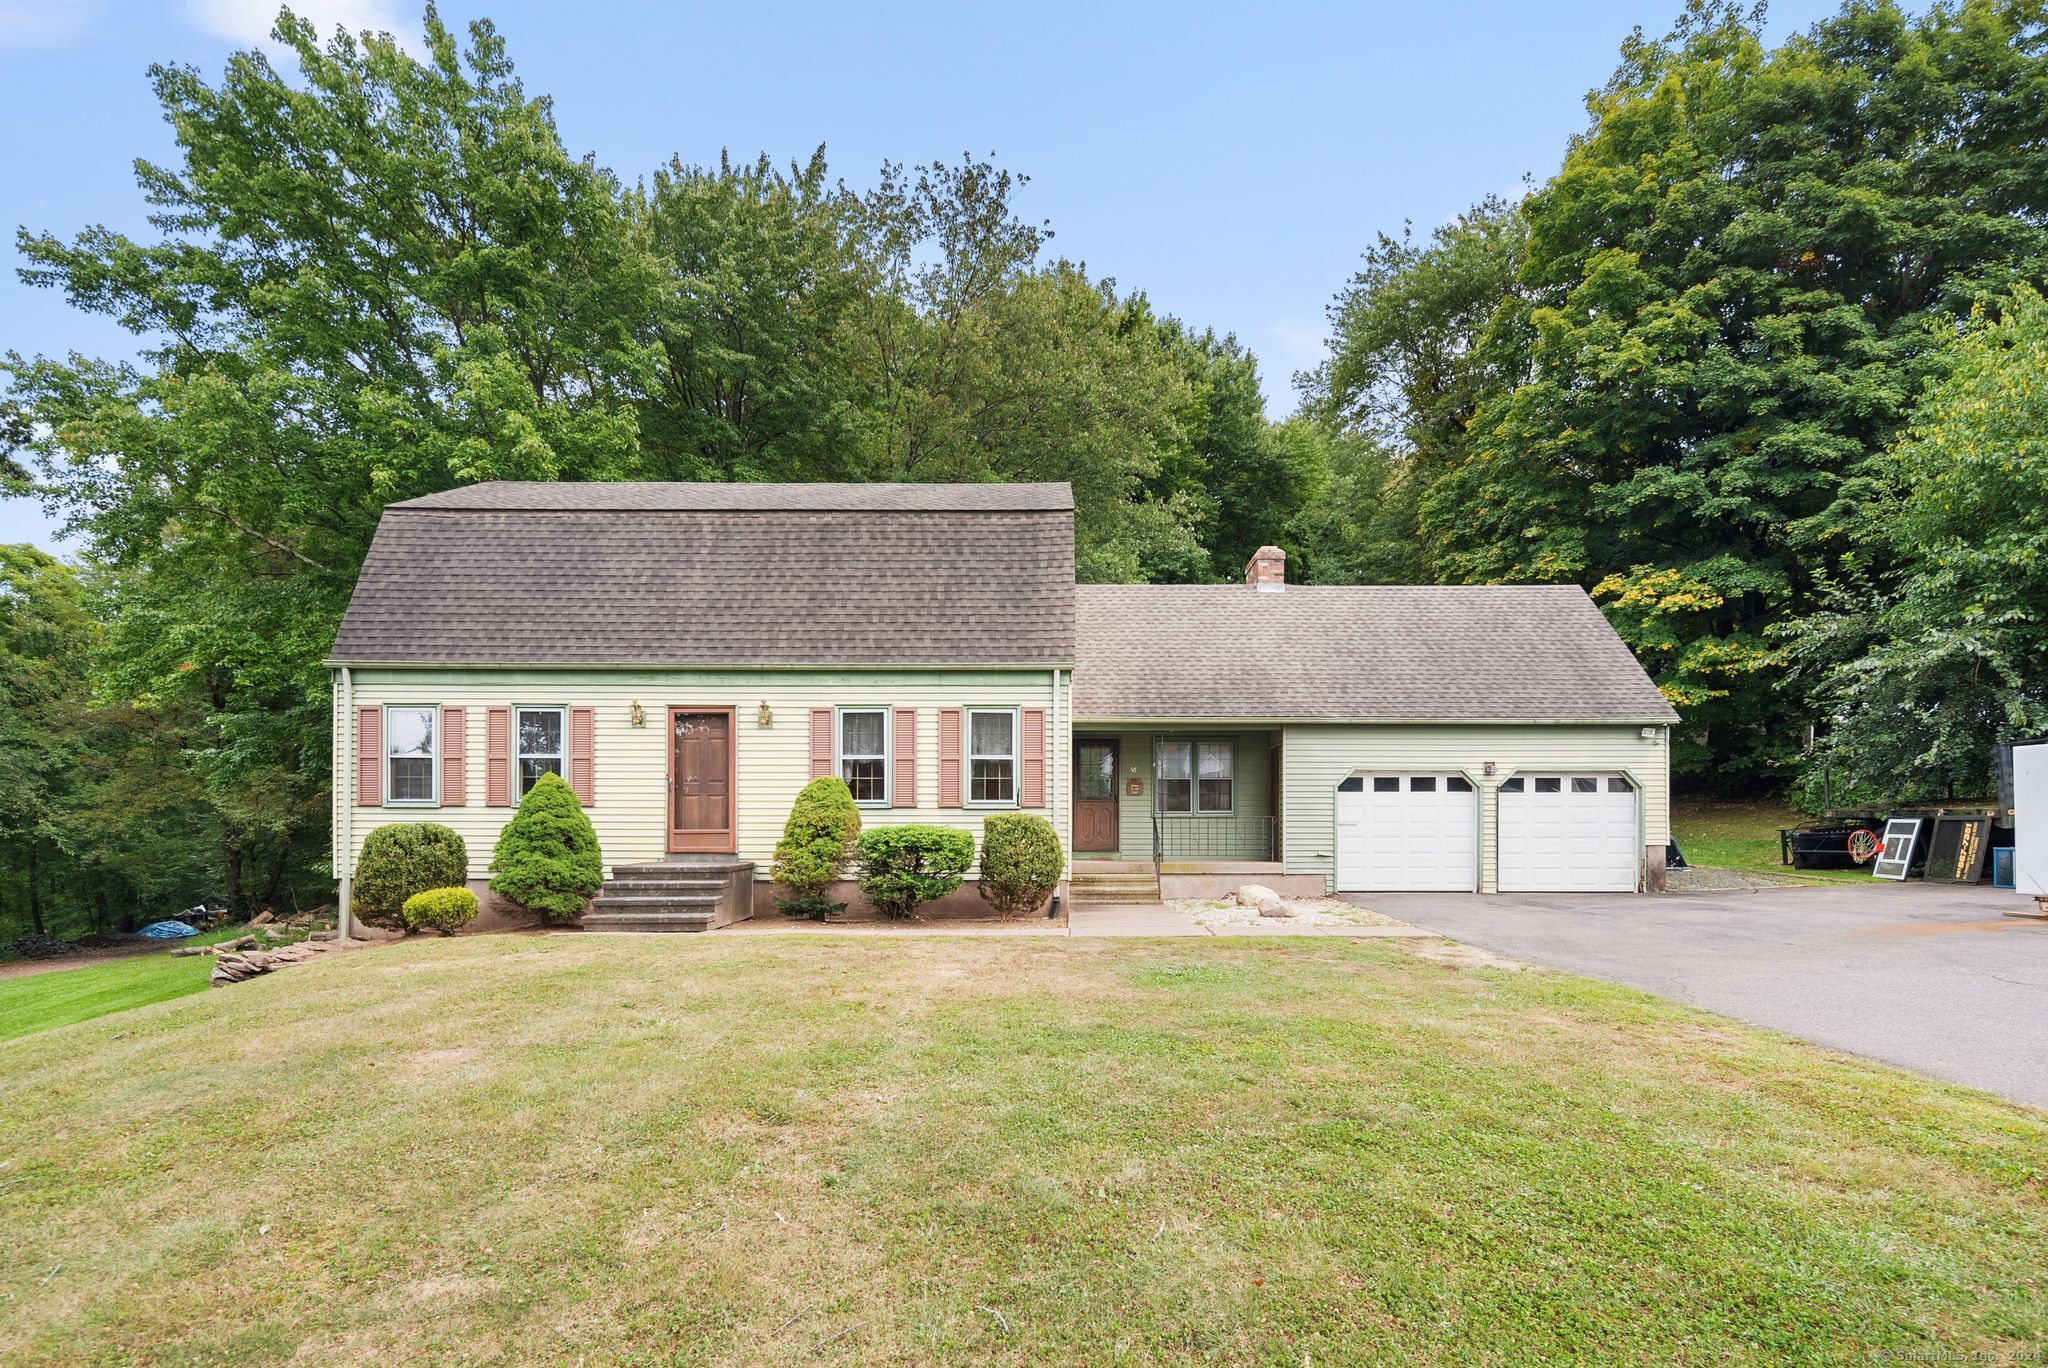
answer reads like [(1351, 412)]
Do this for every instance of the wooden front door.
[(1096, 824), (700, 779)]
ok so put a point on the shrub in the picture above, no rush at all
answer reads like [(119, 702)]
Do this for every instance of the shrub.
[(815, 843), (446, 910), (547, 858), (400, 860), (1020, 863), (904, 867)]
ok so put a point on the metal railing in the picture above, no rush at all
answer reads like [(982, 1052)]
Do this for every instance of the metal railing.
[(1176, 837)]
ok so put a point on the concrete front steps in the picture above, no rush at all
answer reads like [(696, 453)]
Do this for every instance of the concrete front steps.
[(1113, 881), (681, 893)]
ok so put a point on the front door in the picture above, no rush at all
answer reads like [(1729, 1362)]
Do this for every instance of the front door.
[(1095, 809), (700, 779)]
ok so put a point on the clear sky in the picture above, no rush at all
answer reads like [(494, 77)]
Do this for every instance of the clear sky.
[(1229, 160)]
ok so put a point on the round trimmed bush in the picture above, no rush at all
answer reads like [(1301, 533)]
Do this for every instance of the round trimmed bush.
[(400, 860), (1020, 863), (904, 867), (547, 858), (815, 842), (446, 910)]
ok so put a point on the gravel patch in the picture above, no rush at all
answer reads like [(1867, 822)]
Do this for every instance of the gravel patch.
[(1307, 911), (1701, 879)]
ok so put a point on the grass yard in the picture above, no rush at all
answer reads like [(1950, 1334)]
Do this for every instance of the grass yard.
[(915, 1150), (38, 1002), (1744, 836)]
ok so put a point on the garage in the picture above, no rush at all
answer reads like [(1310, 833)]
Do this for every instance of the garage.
[(1407, 833), (1568, 833)]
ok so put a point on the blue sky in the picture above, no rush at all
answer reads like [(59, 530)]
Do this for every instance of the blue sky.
[(1230, 161)]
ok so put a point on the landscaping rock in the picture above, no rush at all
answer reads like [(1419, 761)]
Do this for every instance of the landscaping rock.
[(1274, 907), (1250, 895), (33, 946)]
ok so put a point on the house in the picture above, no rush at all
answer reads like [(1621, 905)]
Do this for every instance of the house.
[(688, 656)]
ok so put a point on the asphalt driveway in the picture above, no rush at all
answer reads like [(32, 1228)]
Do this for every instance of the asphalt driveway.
[(1925, 976)]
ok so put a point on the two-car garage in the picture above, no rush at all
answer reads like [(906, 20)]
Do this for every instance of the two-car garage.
[(1421, 832)]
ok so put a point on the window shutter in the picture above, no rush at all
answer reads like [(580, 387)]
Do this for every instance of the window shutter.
[(498, 757), (583, 754), (949, 757), (821, 742), (906, 757), (369, 757), (454, 757), (1031, 759)]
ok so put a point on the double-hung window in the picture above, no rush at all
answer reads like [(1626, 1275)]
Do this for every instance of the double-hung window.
[(992, 757), (1198, 777), (539, 735), (864, 754), (411, 745)]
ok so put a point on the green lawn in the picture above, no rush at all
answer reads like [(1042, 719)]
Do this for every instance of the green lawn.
[(1744, 836), (36, 1002), (731, 1149)]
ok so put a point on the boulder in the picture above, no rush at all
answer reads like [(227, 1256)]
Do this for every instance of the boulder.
[(1250, 895), (1274, 907)]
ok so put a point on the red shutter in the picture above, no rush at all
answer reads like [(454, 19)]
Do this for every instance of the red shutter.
[(583, 754), (949, 757), (498, 757), (369, 757), (821, 742), (454, 757), (1031, 760), (906, 757)]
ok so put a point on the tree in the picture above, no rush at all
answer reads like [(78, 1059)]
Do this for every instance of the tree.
[(377, 281), (1919, 679), (547, 859), (1733, 291)]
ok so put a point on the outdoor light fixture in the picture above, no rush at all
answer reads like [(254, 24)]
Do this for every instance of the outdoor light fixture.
[(637, 713), (766, 716), (1487, 769)]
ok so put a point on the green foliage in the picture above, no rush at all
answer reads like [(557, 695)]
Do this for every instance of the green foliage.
[(402, 859), (1920, 678), (815, 844), (904, 867), (1021, 863), (446, 910), (547, 858)]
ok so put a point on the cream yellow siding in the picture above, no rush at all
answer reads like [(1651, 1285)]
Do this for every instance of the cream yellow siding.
[(1315, 759), (1240, 836), (630, 763)]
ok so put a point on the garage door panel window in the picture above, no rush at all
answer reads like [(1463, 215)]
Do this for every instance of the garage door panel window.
[(1386, 784), (1549, 785), (1422, 783), (1620, 785), (1457, 784), (1511, 786)]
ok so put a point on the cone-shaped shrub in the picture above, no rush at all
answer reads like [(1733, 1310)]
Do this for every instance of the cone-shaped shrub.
[(400, 860), (547, 858), (815, 843), (1020, 863)]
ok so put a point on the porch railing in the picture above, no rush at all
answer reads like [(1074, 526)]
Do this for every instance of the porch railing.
[(1212, 838)]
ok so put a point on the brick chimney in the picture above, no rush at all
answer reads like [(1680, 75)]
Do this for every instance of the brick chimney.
[(1267, 570)]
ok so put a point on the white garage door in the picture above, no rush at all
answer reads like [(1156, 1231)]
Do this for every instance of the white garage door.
[(1567, 833), (1407, 833)]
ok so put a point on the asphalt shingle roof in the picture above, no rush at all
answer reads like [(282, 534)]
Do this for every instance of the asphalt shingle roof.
[(1377, 653), (682, 574)]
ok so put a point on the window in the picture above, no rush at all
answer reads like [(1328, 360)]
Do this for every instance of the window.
[(1422, 783), (409, 753), (1457, 784), (1216, 769), (1355, 784), (1585, 786), (1549, 785), (1385, 783), (537, 735), (992, 757), (864, 753), (1620, 786), (1176, 784), (1511, 786)]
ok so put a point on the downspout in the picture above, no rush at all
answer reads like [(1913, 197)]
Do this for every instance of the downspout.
[(344, 798)]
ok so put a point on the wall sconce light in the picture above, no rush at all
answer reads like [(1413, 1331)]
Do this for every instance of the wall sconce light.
[(1487, 769), (637, 713), (766, 716)]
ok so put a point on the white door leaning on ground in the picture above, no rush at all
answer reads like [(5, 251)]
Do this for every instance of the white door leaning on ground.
[(1409, 833), (1567, 833)]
